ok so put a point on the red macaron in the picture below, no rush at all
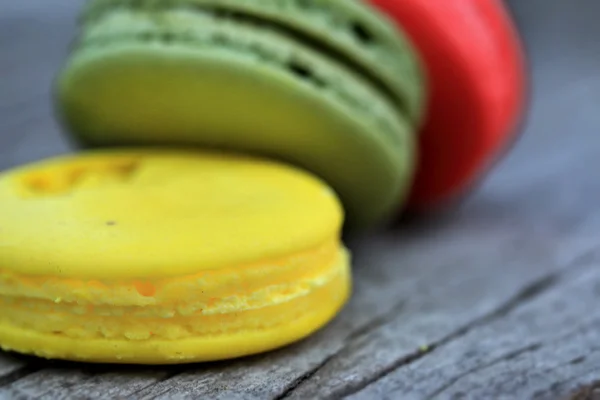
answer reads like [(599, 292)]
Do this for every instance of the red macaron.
[(475, 66)]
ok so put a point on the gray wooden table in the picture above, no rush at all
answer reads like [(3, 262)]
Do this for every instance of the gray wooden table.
[(499, 299)]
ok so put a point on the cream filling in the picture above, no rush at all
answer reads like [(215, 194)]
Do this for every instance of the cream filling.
[(203, 289), (267, 307)]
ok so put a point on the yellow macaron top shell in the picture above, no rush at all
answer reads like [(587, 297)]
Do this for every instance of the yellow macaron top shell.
[(130, 214)]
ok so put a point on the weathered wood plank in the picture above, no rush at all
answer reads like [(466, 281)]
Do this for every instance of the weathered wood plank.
[(434, 314), (544, 348), (9, 368), (69, 382), (429, 317), (505, 285)]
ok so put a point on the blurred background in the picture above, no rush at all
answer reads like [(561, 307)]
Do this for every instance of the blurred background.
[(561, 38)]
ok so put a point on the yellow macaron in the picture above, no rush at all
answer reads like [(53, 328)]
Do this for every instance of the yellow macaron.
[(166, 256)]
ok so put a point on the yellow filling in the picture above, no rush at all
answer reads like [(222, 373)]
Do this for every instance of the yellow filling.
[(269, 306), (210, 290), (205, 303)]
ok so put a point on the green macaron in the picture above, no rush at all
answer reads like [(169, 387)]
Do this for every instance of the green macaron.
[(329, 85)]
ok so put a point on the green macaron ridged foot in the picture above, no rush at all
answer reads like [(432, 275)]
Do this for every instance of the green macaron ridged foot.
[(253, 76)]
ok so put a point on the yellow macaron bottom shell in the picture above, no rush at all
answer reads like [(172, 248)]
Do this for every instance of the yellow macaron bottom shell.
[(166, 257), (290, 312)]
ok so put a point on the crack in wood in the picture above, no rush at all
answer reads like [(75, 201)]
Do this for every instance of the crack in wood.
[(18, 374), (305, 377), (169, 375), (576, 360), (376, 323), (506, 357), (557, 386), (356, 334), (531, 291)]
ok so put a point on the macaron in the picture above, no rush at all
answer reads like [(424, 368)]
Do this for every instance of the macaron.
[(476, 72), (331, 86), (166, 256)]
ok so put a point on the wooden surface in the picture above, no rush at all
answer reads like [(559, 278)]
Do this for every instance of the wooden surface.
[(499, 299)]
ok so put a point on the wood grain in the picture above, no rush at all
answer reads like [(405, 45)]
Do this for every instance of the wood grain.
[(497, 299)]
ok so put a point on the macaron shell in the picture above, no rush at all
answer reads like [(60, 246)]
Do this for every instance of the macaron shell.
[(156, 213), (476, 72), (353, 31), (131, 91)]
